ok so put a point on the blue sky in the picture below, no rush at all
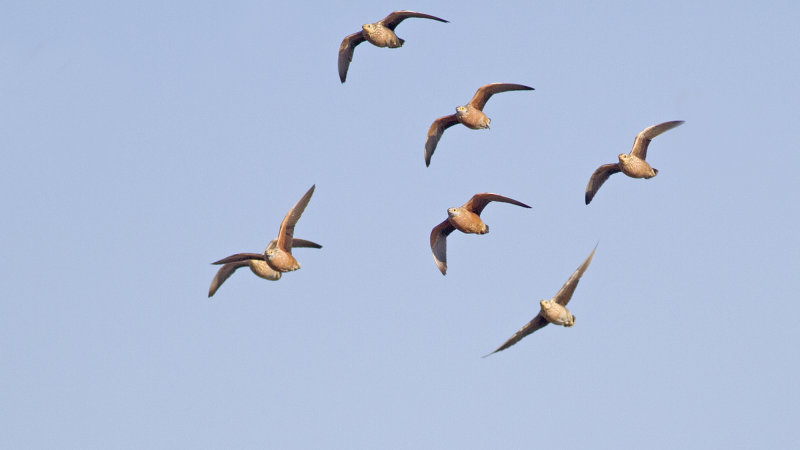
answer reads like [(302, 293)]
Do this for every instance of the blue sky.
[(143, 140)]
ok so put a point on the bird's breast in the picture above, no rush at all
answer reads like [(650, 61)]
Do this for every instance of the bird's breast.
[(557, 314), (263, 270), (283, 262), (636, 168), (474, 118), (469, 222), (381, 36)]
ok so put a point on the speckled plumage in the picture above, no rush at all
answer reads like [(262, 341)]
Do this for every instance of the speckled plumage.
[(379, 34), (471, 115), (554, 310), (632, 164), (466, 219)]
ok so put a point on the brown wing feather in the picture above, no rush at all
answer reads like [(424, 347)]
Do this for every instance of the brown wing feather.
[(286, 233), (484, 92), (435, 133), (304, 243), (643, 139), (222, 274), (295, 244), (439, 244), (565, 293), (394, 19), (346, 52), (479, 201), (598, 178), (239, 257), (530, 327)]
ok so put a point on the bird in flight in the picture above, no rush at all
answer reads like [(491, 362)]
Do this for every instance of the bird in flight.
[(552, 311), (632, 164), (379, 34), (278, 255), (467, 219), (471, 115), (256, 261)]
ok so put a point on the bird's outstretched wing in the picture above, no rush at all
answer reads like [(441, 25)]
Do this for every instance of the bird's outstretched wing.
[(286, 233), (240, 257), (479, 201), (222, 274), (304, 243), (435, 133), (598, 178), (394, 19), (484, 92), (536, 323), (439, 244), (346, 53), (643, 139), (565, 293)]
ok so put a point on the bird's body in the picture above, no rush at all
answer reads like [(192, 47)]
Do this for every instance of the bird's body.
[(281, 260), (466, 221), (632, 164), (635, 167), (556, 314), (381, 36), (470, 115), (263, 270)]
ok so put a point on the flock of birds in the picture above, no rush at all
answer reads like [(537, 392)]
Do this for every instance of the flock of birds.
[(278, 259)]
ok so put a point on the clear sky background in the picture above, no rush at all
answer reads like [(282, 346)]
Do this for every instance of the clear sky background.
[(142, 140)]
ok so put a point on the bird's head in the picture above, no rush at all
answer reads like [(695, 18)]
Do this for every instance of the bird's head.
[(623, 157), (270, 253), (461, 110), (452, 212), (545, 304), (368, 27)]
